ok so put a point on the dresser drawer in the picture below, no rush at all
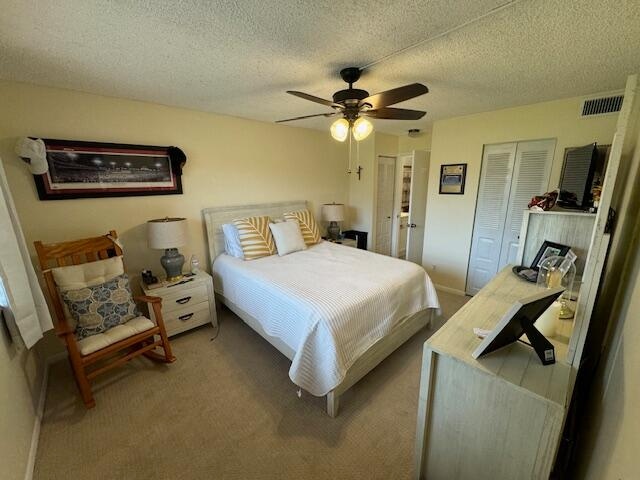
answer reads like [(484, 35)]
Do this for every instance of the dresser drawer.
[(186, 317), (185, 297)]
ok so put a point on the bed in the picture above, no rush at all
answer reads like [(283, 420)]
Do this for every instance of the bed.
[(335, 311)]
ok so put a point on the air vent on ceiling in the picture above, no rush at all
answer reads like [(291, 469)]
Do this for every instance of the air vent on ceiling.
[(601, 105)]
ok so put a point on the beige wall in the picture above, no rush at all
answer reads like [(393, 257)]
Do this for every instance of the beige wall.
[(230, 161), (20, 380), (421, 142), (449, 220), (360, 196)]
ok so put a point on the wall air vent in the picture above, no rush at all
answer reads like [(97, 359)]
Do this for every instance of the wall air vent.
[(601, 105)]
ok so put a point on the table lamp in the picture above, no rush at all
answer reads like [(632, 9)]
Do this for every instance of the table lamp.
[(333, 213), (168, 234)]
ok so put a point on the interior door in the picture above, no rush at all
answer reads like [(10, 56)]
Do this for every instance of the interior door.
[(404, 164), (531, 172), (384, 203), (491, 211), (417, 206)]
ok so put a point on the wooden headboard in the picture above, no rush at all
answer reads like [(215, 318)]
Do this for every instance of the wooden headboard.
[(214, 217)]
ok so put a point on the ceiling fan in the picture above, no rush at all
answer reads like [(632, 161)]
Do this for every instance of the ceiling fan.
[(353, 104)]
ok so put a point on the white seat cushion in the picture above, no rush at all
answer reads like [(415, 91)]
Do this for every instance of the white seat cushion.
[(75, 277), (102, 340)]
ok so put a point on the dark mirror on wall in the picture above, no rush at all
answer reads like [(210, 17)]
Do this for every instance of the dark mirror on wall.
[(582, 176)]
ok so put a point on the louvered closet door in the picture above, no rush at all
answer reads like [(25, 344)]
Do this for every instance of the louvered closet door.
[(530, 177), (491, 211)]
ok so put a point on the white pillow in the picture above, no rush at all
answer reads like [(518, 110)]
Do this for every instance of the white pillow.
[(287, 236), (232, 241)]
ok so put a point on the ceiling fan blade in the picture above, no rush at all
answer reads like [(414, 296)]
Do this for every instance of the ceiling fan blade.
[(311, 98), (330, 114), (395, 95), (394, 113)]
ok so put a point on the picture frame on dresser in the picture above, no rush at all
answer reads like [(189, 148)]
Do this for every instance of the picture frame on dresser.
[(548, 249)]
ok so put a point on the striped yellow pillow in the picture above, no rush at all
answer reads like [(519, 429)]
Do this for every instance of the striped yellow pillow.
[(308, 226), (255, 237)]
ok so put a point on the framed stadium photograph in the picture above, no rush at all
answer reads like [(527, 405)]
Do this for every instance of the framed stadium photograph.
[(93, 170)]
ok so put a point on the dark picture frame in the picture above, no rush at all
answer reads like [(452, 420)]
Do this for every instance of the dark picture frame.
[(452, 178), (79, 169), (549, 249)]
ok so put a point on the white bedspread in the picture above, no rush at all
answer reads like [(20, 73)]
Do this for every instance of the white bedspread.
[(328, 303)]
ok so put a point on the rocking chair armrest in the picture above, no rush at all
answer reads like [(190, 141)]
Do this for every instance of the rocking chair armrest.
[(62, 328), (148, 299), (155, 305)]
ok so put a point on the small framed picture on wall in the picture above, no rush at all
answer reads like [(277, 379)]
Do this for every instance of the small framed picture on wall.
[(452, 178)]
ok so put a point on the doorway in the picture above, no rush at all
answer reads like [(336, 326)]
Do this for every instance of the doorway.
[(412, 174), (401, 199)]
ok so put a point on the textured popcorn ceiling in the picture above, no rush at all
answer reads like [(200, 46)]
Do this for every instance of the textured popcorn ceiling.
[(239, 57)]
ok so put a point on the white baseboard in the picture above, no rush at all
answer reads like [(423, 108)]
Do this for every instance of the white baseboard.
[(35, 436), (455, 291)]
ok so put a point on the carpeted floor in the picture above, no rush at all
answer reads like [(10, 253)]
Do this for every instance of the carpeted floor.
[(227, 410)]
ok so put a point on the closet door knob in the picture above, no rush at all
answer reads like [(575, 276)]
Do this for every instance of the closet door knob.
[(412, 225)]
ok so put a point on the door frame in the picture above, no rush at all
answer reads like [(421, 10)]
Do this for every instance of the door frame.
[(420, 165), (397, 202)]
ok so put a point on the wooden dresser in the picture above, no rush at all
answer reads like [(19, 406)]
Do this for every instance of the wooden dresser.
[(499, 417), (186, 304)]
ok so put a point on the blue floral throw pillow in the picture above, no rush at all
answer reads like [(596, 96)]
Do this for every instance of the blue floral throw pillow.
[(99, 308)]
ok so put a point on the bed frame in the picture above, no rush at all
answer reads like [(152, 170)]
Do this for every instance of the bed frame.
[(216, 216)]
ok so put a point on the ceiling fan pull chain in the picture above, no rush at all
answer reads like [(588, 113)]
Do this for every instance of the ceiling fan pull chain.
[(349, 167), (358, 157)]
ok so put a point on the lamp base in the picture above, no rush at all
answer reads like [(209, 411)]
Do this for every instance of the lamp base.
[(565, 311), (333, 232), (172, 261)]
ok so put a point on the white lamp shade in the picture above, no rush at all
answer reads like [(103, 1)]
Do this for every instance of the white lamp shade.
[(340, 129), (165, 233), (333, 212), (361, 129)]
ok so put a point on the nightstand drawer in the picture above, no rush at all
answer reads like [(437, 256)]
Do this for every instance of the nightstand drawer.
[(186, 318), (184, 297)]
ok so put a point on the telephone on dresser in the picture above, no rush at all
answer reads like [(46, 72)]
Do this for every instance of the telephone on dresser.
[(148, 278)]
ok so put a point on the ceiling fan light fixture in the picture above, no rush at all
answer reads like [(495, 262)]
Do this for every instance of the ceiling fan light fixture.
[(362, 128), (340, 129)]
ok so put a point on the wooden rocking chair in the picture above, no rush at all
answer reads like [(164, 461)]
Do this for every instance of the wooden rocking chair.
[(139, 333)]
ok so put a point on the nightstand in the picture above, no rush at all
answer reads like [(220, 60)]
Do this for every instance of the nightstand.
[(187, 303), (348, 242)]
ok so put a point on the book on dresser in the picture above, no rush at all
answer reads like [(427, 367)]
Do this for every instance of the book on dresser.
[(186, 303)]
